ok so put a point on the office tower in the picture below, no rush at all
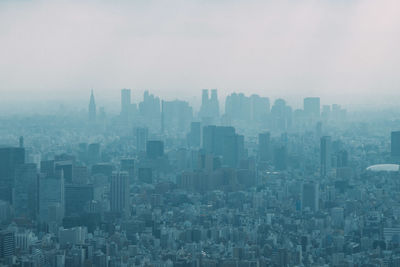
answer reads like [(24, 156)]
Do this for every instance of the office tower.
[(141, 138), (92, 108), (204, 99), (325, 150), (94, 153), (238, 107), (223, 141), (264, 146), (80, 175), (318, 129), (281, 115), (310, 196), (25, 191), (76, 198), (67, 167), (47, 167), (260, 108), (10, 158), (337, 216), (125, 103), (312, 107), (105, 169), (128, 165), (150, 107), (119, 193), (176, 116), (154, 149), (342, 159), (7, 244), (194, 136), (51, 197), (209, 106), (395, 144), (326, 112), (214, 104), (280, 158)]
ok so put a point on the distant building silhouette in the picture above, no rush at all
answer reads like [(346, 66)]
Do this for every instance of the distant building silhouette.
[(312, 107), (325, 153), (154, 149), (223, 141), (209, 106), (10, 158), (92, 108), (310, 196), (119, 196), (141, 138), (194, 136), (264, 146), (125, 103)]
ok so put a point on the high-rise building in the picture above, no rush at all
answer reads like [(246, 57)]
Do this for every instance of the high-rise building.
[(25, 190), (209, 106), (214, 104), (194, 136), (280, 158), (154, 149), (325, 150), (264, 146), (141, 138), (92, 108), (7, 244), (223, 141), (51, 197), (10, 158), (176, 116), (395, 144), (119, 193), (310, 196), (128, 165), (312, 107), (76, 197), (125, 103), (94, 153), (67, 167)]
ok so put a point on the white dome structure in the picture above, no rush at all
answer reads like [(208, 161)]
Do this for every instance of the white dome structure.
[(384, 168)]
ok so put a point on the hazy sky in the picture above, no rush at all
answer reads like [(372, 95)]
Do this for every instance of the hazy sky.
[(338, 49)]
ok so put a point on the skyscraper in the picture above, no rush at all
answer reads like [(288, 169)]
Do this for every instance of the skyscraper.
[(141, 138), (194, 136), (25, 190), (264, 146), (214, 104), (92, 108), (209, 106), (395, 145), (7, 243), (312, 107), (120, 193), (154, 149), (125, 103), (10, 158), (310, 196), (325, 150)]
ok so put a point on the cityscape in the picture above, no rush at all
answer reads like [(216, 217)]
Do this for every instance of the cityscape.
[(161, 184), (199, 133)]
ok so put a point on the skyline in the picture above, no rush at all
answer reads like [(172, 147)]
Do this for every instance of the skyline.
[(285, 49)]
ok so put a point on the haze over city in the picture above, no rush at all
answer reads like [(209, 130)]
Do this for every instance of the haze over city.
[(339, 50), (199, 133)]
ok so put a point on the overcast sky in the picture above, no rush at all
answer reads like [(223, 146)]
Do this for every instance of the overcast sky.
[(338, 49)]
